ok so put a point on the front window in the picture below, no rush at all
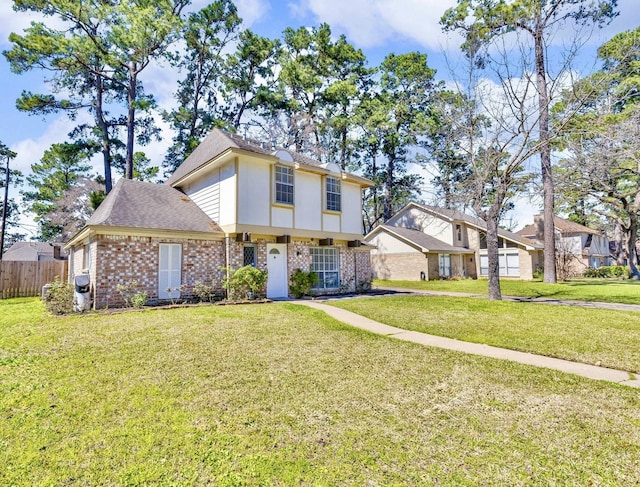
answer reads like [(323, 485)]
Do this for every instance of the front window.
[(325, 263), (445, 265), (333, 194), (284, 185)]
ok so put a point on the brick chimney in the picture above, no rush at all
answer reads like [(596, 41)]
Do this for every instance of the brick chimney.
[(538, 222)]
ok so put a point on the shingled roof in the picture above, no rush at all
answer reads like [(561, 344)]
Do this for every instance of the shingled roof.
[(455, 215), (565, 226), (219, 141), (427, 243), (138, 204)]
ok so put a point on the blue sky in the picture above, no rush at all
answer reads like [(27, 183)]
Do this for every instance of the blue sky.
[(378, 27)]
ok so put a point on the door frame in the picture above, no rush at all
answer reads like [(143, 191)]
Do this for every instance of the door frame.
[(277, 286)]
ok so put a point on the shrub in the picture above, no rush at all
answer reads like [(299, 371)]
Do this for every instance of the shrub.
[(607, 271), (59, 297), (246, 282), (203, 291), (127, 291), (302, 282), (139, 299)]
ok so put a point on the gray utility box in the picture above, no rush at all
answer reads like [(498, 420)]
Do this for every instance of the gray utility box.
[(82, 292)]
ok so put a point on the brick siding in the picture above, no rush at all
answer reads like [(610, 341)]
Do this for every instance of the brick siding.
[(123, 260)]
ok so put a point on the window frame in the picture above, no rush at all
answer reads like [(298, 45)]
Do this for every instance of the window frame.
[(283, 187), (335, 201), (246, 246), (444, 265), (327, 267)]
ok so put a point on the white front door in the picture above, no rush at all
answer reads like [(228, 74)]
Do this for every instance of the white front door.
[(169, 271), (277, 285)]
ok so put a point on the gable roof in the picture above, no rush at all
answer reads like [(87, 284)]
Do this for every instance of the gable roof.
[(141, 205), (564, 226), (416, 238), (32, 251), (219, 141), (455, 215)]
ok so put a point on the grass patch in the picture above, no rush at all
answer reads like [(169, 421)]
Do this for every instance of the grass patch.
[(579, 334), (280, 395), (604, 290)]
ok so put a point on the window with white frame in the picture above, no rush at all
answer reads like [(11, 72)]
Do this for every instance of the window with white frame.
[(333, 194), (445, 265), (284, 184), (325, 262)]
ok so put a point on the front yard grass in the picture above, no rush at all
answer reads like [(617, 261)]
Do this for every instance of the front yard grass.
[(580, 334), (604, 290), (280, 394)]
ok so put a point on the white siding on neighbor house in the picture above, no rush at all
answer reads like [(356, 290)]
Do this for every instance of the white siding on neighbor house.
[(351, 208), (599, 246), (416, 219), (205, 193), (573, 244), (228, 194), (254, 190), (308, 200), (388, 244)]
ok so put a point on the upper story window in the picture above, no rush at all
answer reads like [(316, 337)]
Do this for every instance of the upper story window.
[(284, 184), (333, 194), (459, 232)]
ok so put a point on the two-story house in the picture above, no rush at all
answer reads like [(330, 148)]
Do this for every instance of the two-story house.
[(586, 246), (232, 202), (427, 242)]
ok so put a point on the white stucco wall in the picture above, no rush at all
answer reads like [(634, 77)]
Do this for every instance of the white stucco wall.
[(307, 199), (351, 208), (254, 188), (282, 217), (228, 203)]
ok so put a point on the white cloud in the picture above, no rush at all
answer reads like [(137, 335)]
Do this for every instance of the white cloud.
[(252, 10), (373, 23), (12, 21)]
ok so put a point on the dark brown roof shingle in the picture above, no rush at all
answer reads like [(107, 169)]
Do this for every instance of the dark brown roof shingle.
[(138, 204), (217, 142)]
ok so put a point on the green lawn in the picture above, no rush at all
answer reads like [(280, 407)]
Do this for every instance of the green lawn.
[(578, 334), (605, 290), (280, 394)]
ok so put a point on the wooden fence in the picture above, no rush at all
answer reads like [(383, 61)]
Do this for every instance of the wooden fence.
[(25, 278)]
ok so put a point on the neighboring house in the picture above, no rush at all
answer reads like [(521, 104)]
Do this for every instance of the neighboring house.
[(589, 247), (426, 242), (35, 251), (231, 203)]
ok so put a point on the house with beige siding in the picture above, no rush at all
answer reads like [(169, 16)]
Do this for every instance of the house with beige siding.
[(232, 202), (427, 242), (586, 247)]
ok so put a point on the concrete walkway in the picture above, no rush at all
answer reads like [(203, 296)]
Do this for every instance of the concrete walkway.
[(584, 370)]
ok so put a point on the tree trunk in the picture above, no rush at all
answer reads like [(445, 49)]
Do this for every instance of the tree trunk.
[(494, 259), (545, 162), (105, 140), (388, 191), (632, 236), (131, 116)]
